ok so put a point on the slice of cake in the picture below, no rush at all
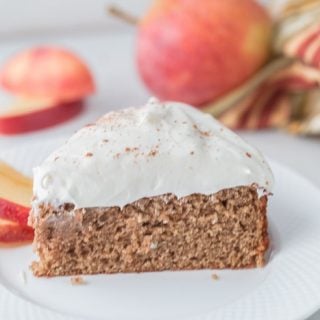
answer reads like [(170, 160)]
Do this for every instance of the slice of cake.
[(162, 187)]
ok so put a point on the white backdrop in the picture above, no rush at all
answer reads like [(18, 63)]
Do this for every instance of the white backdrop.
[(25, 17)]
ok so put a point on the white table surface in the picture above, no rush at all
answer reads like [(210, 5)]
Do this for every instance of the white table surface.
[(110, 55)]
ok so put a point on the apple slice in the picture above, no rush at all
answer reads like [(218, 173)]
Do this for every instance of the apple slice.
[(15, 196), (14, 186), (42, 72), (13, 212), (29, 115), (13, 233)]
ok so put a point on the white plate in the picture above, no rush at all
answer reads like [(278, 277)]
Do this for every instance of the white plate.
[(287, 288)]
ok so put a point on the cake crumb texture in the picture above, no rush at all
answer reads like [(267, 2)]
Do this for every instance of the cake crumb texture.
[(227, 229), (77, 280), (214, 276)]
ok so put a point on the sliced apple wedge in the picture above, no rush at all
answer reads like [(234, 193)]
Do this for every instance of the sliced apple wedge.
[(47, 72), (52, 82), (15, 196), (33, 114), (13, 212), (14, 186), (13, 233)]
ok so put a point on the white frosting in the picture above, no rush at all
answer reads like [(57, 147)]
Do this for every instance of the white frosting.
[(149, 151)]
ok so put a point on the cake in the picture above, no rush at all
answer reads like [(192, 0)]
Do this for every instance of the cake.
[(160, 187)]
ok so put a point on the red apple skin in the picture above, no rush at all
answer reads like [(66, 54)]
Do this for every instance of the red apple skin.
[(195, 51), (13, 233), (41, 118), (14, 212), (47, 72)]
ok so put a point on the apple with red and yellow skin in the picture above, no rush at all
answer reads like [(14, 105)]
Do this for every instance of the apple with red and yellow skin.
[(44, 72), (196, 51), (50, 84)]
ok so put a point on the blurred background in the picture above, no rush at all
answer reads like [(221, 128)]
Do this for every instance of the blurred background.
[(107, 46)]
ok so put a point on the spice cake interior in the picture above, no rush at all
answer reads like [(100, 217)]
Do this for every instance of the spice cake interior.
[(224, 230)]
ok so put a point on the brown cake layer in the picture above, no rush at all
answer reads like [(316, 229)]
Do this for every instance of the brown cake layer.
[(224, 230)]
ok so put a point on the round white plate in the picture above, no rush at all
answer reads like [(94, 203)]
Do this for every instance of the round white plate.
[(287, 288)]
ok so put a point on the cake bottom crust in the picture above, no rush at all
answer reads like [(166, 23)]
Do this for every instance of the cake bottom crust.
[(227, 229)]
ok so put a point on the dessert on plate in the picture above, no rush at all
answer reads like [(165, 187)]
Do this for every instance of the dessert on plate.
[(161, 187)]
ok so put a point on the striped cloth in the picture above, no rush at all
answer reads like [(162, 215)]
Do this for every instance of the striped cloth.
[(286, 97)]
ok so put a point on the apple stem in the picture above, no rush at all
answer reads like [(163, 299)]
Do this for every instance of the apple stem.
[(121, 14), (228, 101)]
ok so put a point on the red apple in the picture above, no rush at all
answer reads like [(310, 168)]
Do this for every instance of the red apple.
[(196, 51), (47, 72), (34, 115)]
